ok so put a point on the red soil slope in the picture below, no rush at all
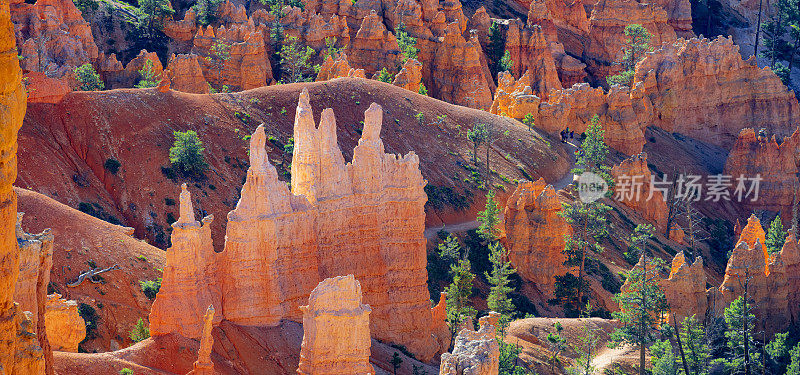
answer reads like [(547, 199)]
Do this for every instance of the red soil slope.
[(79, 239), (74, 138)]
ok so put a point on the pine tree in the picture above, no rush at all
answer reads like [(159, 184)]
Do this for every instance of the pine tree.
[(496, 49), (88, 79), (593, 152), (636, 44), (589, 223), (140, 331), (459, 293), (776, 236), (384, 76), (556, 344), (450, 249), (407, 43), (477, 136), (794, 364), (529, 121), (498, 299), (641, 300), (740, 322), (294, 61), (697, 352), (489, 219), (148, 77), (396, 361)]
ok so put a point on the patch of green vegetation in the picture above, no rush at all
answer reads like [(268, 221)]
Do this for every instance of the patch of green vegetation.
[(150, 287), (112, 165)]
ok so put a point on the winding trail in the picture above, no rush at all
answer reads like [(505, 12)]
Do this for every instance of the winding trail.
[(559, 184), (606, 358)]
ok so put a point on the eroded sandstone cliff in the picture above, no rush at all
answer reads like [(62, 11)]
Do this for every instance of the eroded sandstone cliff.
[(307, 234)]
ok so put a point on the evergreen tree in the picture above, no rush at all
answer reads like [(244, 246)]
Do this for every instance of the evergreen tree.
[(641, 300), (140, 331), (206, 11), (384, 76), (529, 121), (496, 49), (148, 77), (187, 152), (783, 73), (794, 364), (422, 89), (396, 361), (740, 321), (294, 61), (152, 14), (506, 64), (407, 43), (776, 236), (593, 152), (585, 348), (477, 135), (693, 338), (498, 300), (489, 220), (88, 79), (556, 343), (459, 293), (589, 224), (636, 44), (450, 249), (663, 359), (777, 354)]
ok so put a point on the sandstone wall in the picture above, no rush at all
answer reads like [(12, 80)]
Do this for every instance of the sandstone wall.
[(633, 188), (535, 234), (364, 218), (12, 111), (65, 327), (775, 162), (336, 337)]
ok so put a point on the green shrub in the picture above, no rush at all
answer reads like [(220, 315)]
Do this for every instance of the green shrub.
[(385, 76), (149, 78), (89, 316), (150, 287), (112, 165), (88, 79), (126, 371), (140, 331), (187, 152)]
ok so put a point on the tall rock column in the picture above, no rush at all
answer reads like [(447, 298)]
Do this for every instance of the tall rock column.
[(190, 271), (336, 337), (475, 353), (535, 234), (12, 110), (204, 365)]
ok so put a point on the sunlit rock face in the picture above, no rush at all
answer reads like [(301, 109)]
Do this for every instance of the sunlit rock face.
[(336, 336), (364, 218)]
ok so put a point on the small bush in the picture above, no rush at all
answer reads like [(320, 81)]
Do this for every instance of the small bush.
[(126, 371), (171, 218), (140, 331), (112, 165), (385, 76), (187, 152), (150, 287), (169, 201), (88, 79)]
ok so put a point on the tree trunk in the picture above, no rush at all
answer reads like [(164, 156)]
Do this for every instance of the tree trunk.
[(488, 171), (642, 312), (680, 345), (744, 328), (580, 282), (758, 30)]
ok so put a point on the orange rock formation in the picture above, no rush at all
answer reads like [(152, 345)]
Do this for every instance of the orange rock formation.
[(634, 189), (235, 57), (475, 352), (305, 235), (65, 327), (685, 288), (774, 162), (190, 263), (705, 90), (185, 74), (204, 365), (374, 47), (535, 234), (336, 336), (12, 111), (410, 76), (338, 68), (606, 31)]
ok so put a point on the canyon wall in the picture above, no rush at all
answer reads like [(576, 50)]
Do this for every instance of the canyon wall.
[(12, 111), (633, 188), (700, 88), (364, 218), (776, 163)]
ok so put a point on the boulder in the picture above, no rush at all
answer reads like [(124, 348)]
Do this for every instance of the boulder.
[(474, 353)]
